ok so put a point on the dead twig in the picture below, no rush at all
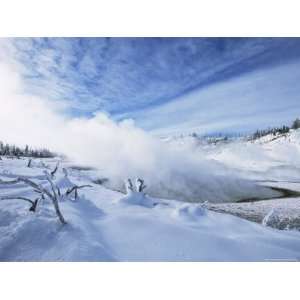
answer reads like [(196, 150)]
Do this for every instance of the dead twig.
[(42, 190), (76, 188), (55, 170), (140, 185), (32, 202), (29, 163), (129, 186)]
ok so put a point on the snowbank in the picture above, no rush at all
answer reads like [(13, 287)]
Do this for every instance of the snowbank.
[(106, 226)]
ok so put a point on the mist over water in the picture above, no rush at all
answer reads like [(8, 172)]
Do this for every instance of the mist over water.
[(120, 150)]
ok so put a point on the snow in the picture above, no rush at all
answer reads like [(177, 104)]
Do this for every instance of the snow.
[(270, 161), (135, 198), (105, 225), (287, 211), (271, 158)]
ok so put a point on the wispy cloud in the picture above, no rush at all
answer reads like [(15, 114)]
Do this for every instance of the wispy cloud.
[(143, 78), (259, 99)]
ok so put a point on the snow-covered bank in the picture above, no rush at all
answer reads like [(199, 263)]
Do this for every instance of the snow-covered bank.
[(285, 213), (105, 226), (271, 160), (267, 158)]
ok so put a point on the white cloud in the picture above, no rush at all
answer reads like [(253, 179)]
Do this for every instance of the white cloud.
[(258, 99)]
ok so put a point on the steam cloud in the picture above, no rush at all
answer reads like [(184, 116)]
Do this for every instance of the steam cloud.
[(119, 150)]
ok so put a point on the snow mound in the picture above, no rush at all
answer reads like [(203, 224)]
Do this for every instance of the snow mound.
[(136, 198), (189, 212)]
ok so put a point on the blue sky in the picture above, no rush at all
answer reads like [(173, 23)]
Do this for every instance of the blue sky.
[(168, 85)]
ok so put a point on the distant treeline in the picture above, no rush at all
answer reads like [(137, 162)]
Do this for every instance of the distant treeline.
[(12, 150), (276, 130)]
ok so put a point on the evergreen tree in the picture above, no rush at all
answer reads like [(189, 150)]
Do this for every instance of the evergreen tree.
[(26, 151), (296, 124), (13, 150)]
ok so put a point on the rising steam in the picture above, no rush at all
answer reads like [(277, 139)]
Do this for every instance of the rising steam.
[(118, 150)]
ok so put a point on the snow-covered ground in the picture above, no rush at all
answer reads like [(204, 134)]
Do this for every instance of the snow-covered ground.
[(270, 161), (268, 153), (285, 213), (105, 225)]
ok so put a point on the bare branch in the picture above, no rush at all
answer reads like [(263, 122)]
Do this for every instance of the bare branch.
[(37, 191), (51, 184), (76, 188), (10, 181), (55, 170), (35, 186), (129, 185), (33, 203), (29, 163), (140, 185), (54, 199), (16, 198), (65, 172), (42, 190)]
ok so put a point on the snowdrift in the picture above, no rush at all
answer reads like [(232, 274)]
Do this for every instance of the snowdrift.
[(104, 225)]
